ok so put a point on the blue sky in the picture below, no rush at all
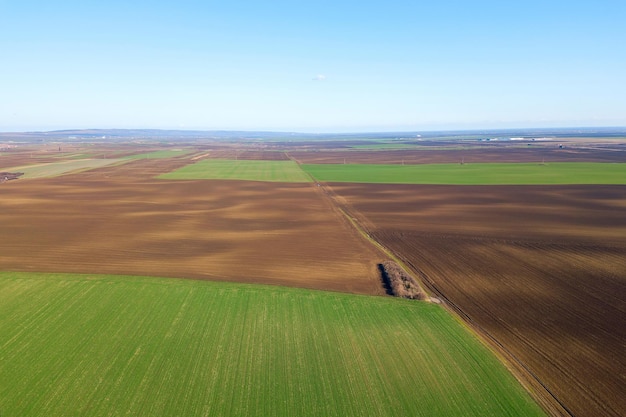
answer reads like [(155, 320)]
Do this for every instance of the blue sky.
[(323, 66)]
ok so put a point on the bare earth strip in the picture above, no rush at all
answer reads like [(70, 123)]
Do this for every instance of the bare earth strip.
[(120, 220), (541, 269)]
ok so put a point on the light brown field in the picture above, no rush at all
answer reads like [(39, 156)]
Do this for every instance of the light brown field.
[(121, 220), (539, 270)]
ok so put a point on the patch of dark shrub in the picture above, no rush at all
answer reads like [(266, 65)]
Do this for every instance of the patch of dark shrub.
[(398, 283), (8, 176)]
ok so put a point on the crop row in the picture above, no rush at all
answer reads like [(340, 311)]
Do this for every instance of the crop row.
[(90, 345)]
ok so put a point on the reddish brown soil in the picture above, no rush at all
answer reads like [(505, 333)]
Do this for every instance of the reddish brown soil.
[(539, 270), (120, 220)]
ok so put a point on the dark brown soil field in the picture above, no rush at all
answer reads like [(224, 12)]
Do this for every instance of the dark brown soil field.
[(539, 270), (120, 220)]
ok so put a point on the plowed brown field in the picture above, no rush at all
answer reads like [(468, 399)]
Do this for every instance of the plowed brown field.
[(541, 270), (41, 154), (251, 155), (475, 154), (119, 219)]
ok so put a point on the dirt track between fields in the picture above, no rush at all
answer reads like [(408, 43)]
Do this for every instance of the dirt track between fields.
[(542, 269), (121, 220)]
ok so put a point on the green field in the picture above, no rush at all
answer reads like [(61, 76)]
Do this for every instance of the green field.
[(226, 169), (55, 169), (91, 345), (473, 174)]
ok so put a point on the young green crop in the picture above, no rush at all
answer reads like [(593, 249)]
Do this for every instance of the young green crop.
[(473, 174), (113, 345), (275, 171)]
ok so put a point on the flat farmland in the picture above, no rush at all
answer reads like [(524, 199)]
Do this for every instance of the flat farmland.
[(119, 219), (54, 169), (143, 346), (160, 154), (239, 153), (275, 171), (454, 154), (540, 270), (472, 174), (39, 155)]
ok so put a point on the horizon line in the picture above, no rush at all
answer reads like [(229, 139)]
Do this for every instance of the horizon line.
[(346, 132)]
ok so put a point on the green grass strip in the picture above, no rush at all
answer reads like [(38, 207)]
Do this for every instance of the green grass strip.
[(473, 174), (78, 345), (225, 169)]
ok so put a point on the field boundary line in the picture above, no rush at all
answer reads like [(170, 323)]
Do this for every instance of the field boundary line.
[(499, 350), (491, 340)]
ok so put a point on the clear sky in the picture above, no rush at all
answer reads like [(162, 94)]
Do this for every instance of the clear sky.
[(319, 66)]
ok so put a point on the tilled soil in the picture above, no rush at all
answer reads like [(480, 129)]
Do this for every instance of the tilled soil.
[(250, 155), (541, 153), (120, 220), (540, 270)]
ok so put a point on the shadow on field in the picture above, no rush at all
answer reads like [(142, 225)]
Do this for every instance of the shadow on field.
[(385, 279)]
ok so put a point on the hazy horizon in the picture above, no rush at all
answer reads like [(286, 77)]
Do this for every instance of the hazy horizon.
[(574, 131), (451, 127)]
